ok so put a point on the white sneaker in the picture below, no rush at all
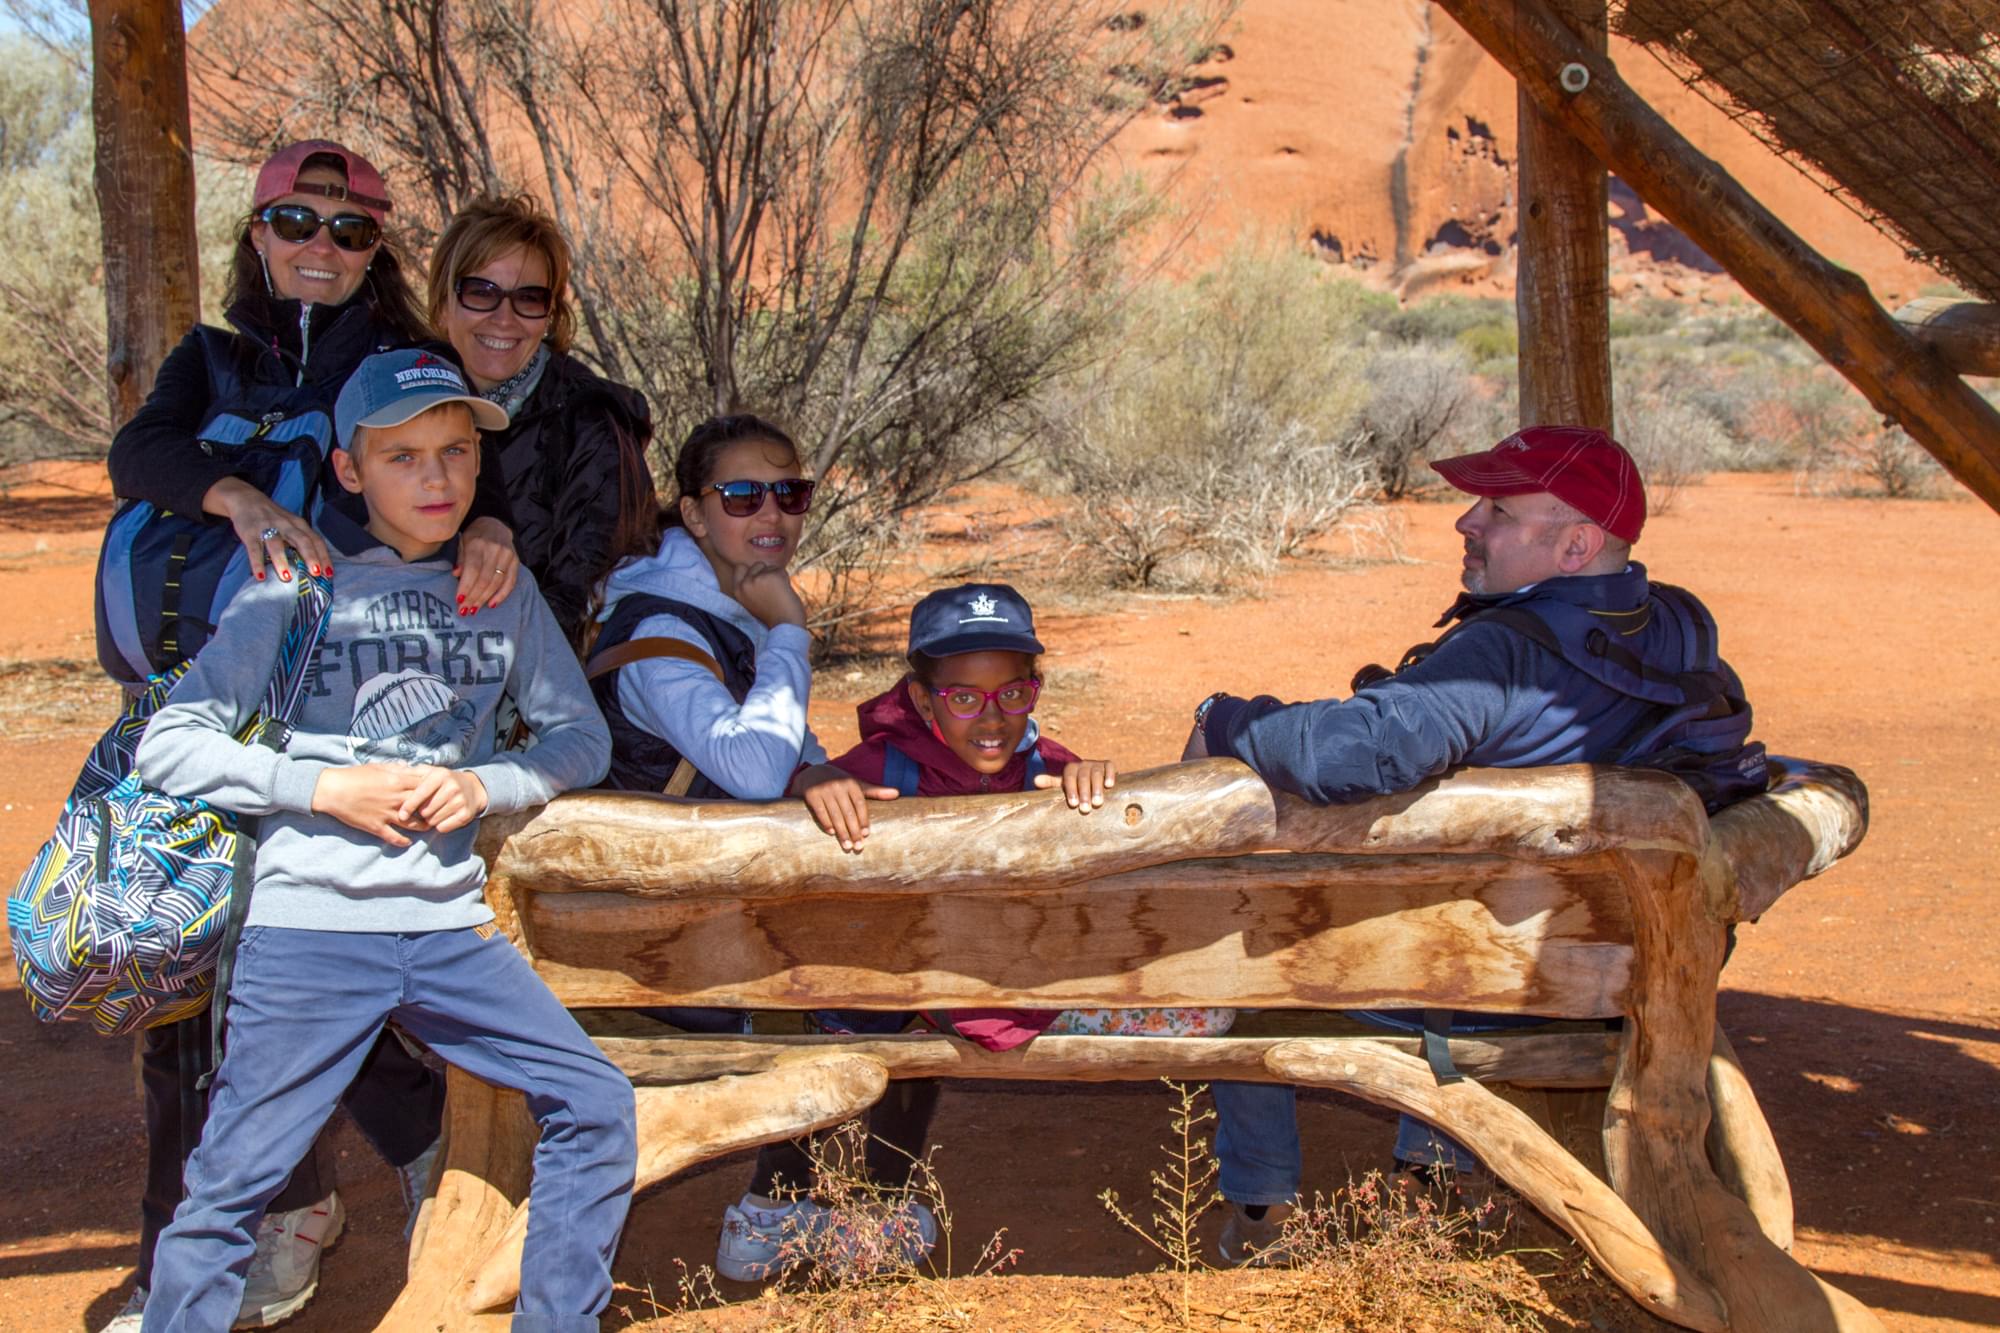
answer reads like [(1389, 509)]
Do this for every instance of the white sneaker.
[(130, 1315), (284, 1275), (749, 1249)]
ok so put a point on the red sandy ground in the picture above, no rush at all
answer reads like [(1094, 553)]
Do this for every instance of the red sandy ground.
[(1865, 1006)]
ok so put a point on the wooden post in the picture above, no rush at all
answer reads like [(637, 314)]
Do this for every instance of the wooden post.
[(1562, 290), (145, 190), (1825, 304)]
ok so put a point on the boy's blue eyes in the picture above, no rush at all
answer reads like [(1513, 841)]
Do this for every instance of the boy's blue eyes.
[(450, 451)]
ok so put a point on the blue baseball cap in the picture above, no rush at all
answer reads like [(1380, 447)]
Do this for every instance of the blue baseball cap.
[(389, 388), (973, 618)]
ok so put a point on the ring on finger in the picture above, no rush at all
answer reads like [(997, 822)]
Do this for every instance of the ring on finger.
[(269, 534)]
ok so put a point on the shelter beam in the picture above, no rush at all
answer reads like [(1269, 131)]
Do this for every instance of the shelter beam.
[(1828, 306)]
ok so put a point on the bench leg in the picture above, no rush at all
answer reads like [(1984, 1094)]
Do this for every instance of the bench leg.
[(1657, 1117), (1741, 1149), (692, 1122), (489, 1141), (1521, 1153)]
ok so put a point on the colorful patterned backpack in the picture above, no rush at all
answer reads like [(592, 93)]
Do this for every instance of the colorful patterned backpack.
[(127, 910)]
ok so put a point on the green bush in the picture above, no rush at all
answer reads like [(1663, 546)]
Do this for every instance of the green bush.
[(1438, 318)]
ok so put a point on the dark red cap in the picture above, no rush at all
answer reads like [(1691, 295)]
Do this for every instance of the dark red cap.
[(1583, 467), (280, 176)]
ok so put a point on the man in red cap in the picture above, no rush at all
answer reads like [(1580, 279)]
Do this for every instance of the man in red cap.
[(1560, 651)]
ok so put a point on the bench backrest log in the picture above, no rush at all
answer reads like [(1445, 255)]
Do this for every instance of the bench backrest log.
[(1501, 890)]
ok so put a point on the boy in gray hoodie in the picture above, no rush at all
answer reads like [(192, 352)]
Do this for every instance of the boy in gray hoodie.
[(367, 901)]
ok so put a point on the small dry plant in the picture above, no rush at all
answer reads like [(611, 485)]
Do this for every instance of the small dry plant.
[(1380, 1254), (865, 1252), (1184, 1189), (694, 1289)]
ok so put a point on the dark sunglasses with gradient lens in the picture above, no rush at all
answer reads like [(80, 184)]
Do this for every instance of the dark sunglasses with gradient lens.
[(480, 296), (297, 224), (740, 499), (1014, 698)]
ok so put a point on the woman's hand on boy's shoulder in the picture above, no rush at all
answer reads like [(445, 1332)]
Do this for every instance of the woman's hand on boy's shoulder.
[(488, 565), (839, 802), (1084, 782)]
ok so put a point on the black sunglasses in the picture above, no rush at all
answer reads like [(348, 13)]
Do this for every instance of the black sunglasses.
[(297, 224), (740, 499), (479, 296)]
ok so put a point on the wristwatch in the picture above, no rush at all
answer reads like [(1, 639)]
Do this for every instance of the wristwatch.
[(1201, 710)]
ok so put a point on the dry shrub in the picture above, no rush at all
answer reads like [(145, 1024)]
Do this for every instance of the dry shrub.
[(1424, 402), (1672, 439), (1841, 448), (1377, 1257), (1883, 460), (1218, 438)]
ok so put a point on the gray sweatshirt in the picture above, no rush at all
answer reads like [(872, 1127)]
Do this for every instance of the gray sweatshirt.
[(400, 678)]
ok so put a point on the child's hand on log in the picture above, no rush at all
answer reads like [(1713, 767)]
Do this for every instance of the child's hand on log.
[(839, 803), (1084, 782)]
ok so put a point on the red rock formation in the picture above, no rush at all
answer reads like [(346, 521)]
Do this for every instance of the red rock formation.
[(1379, 134)]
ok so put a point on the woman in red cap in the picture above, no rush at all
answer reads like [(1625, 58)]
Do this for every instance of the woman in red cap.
[(315, 286)]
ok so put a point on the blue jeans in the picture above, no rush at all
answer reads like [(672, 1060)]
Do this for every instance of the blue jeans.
[(1257, 1125), (1257, 1154), (304, 1012)]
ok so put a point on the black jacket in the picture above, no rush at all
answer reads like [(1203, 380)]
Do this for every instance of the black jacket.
[(154, 456), (574, 459)]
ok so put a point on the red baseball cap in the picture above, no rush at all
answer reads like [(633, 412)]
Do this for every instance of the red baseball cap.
[(1583, 467), (280, 176)]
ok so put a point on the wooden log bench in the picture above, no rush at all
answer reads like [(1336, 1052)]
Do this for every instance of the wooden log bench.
[(1578, 893)]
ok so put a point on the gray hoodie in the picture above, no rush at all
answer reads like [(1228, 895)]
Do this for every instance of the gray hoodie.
[(400, 678), (752, 748)]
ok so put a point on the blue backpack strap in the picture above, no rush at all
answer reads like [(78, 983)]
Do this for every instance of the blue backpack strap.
[(1036, 767), (899, 771), (284, 696)]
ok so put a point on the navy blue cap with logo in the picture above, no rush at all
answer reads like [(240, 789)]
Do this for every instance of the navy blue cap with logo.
[(389, 388), (973, 618)]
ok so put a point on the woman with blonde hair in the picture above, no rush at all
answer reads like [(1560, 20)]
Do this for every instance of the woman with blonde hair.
[(573, 459)]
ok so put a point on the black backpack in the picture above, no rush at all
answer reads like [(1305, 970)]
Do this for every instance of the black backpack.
[(163, 578)]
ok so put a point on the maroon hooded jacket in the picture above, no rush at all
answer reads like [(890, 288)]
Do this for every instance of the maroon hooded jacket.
[(891, 718)]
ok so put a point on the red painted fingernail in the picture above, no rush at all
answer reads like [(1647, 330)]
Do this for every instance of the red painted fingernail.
[(461, 599), (260, 576)]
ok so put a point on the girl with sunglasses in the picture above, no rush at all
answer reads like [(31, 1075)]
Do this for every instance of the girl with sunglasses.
[(573, 455), (315, 285), (701, 655)]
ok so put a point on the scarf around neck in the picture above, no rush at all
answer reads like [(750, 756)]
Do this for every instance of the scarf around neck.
[(512, 393)]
